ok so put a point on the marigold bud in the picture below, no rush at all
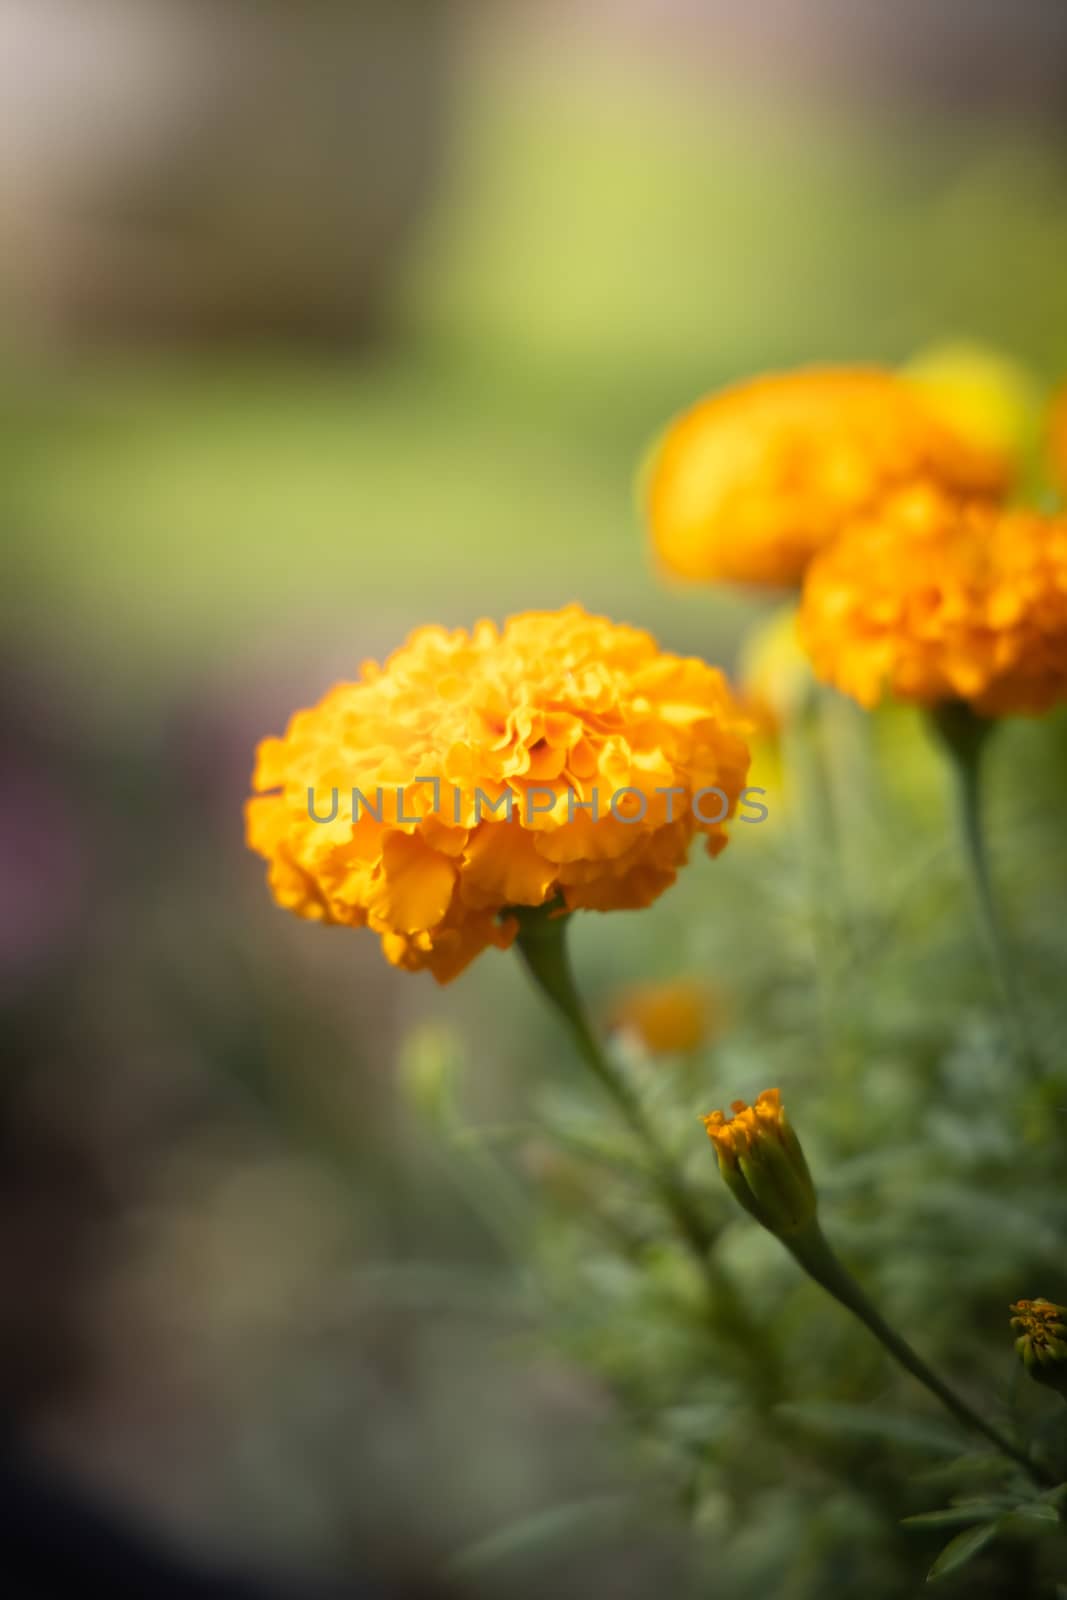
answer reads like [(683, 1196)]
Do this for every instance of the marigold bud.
[(762, 1162), (1042, 1341)]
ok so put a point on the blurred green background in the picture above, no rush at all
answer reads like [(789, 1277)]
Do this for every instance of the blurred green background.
[(249, 1290), (610, 236)]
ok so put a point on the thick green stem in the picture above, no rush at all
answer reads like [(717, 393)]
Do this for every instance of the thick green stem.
[(963, 735), (543, 947), (811, 1250)]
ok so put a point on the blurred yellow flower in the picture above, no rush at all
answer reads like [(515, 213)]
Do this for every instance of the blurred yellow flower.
[(750, 482), (932, 600), (668, 1018), (989, 399), (562, 759), (761, 1160)]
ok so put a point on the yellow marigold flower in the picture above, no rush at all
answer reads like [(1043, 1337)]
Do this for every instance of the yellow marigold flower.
[(669, 1018), (563, 759), (1042, 1341), (748, 484), (932, 600), (986, 397), (761, 1160)]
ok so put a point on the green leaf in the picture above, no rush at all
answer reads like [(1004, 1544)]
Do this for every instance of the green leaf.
[(969, 1469), (861, 1422), (954, 1516), (963, 1548), (1036, 1512), (599, 1516)]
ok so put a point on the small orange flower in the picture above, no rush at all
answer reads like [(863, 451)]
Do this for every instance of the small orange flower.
[(932, 600), (561, 760), (748, 484), (669, 1018)]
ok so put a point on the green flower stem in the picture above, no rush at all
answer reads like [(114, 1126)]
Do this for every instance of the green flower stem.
[(542, 943), (963, 735), (811, 1249), (804, 743)]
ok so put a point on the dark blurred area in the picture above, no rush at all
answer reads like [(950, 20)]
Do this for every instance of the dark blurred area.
[(213, 171), (319, 320)]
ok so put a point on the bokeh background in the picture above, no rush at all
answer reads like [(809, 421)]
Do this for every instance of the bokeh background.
[(319, 321)]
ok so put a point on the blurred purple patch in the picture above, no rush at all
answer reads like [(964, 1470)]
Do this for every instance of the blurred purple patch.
[(43, 869)]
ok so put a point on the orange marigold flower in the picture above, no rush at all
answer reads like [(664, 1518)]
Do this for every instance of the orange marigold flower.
[(562, 759), (748, 484), (672, 1017), (763, 1164), (933, 600)]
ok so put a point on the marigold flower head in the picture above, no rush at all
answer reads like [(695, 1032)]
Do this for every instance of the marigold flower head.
[(1042, 1341), (750, 482), (563, 759), (985, 396), (763, 1164), (933, 600), (669, 1018)]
